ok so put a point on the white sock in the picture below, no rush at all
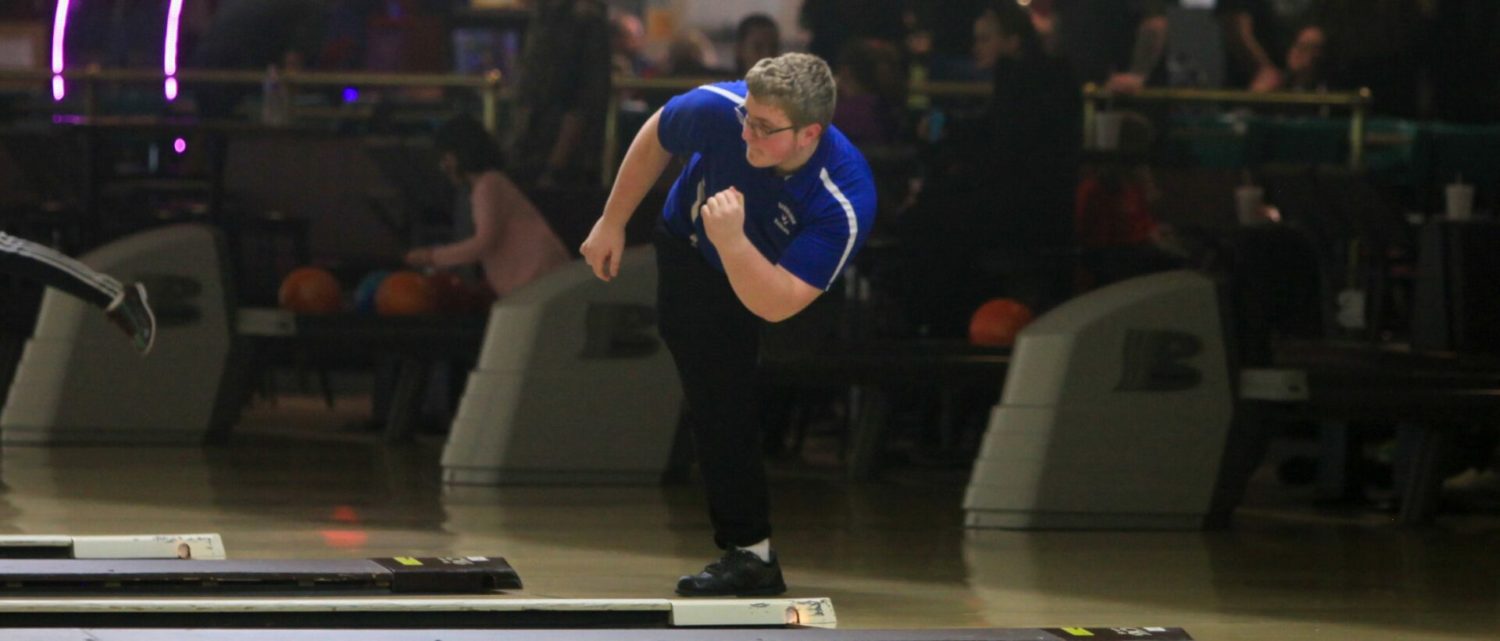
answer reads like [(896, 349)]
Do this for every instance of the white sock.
[(762, 550)]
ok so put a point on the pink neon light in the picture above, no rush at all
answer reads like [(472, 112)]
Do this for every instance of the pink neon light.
[(179, 145), (169, 49), (59, 28)]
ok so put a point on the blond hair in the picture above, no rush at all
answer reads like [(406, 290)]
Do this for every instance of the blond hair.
[(798, 83)]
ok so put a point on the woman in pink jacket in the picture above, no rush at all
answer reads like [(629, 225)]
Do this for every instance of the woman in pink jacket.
[(511, 241)]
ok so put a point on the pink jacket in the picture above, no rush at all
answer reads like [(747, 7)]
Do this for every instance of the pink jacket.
[(511, 241)]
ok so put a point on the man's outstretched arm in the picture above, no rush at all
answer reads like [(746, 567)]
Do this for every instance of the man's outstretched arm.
[(642, 166)]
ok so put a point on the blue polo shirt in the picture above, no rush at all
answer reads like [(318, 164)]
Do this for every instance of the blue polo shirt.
[(811, 222)]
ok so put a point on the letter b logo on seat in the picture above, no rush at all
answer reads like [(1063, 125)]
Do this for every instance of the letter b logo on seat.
[(619, 330)]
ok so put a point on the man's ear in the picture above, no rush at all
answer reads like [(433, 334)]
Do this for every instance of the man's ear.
[(810, 134)]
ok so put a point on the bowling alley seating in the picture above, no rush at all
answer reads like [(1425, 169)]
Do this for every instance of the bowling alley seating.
[(573, 386), (1116, 413)]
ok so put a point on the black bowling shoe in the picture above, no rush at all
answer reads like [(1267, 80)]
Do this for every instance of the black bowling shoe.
[(737, 573)]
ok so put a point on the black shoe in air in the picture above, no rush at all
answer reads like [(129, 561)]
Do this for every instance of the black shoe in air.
[(133, 315)]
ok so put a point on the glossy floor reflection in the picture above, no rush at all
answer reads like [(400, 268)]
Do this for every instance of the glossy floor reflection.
[(891, 554)]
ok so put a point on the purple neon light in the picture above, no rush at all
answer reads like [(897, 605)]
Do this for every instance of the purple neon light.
[(169, 50), (179, 145), (59, 28)]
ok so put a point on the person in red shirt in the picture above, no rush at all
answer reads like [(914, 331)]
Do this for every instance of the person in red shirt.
[(1117, 234)]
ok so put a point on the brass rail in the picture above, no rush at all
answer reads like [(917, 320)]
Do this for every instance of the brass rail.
[(622, 84), (1358, 103), (486, 84)]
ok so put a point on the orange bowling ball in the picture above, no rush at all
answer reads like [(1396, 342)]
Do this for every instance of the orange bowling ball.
[(996, 323), (310, 290), (406, 293)]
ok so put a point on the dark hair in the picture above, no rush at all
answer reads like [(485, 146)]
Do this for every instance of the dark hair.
[(475, 148), (752, 22), (1016, 21)]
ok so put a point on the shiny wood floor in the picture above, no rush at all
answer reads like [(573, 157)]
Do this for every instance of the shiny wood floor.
[(891, 554)]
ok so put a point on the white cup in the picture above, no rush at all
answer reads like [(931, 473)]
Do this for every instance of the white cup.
[(1460, 201), (1107, 130), (1248, 202), (1351, 309)]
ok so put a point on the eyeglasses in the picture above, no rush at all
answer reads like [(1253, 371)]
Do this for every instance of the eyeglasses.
[(757, 130)]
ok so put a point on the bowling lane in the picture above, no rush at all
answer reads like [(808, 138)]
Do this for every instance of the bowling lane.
[(292, 483)]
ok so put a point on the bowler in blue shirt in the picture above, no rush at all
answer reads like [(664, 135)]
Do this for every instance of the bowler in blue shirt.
[(773, 204)]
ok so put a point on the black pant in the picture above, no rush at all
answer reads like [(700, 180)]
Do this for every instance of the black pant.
[(49, 267), (714, 341)]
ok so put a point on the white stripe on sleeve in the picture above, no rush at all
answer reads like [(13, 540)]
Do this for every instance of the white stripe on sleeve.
[(724, 92), (848, 214)]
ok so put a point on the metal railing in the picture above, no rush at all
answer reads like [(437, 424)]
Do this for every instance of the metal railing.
[(1357, 102), (622, 85), (487, 85)]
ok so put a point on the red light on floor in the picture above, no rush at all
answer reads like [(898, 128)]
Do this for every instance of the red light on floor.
[(345, 538)]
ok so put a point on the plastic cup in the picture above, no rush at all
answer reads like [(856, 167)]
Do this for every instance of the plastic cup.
[(1460, 201), (1248, 202)]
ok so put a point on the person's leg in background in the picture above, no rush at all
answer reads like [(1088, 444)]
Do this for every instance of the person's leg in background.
[(125, 305)]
